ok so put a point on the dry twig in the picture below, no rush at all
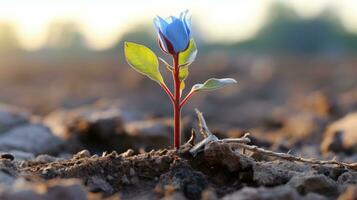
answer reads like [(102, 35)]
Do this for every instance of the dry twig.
[(242, 143)]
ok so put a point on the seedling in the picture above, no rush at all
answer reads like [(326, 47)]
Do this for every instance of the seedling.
[(174, 37)]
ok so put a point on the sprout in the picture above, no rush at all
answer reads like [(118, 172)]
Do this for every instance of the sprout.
[(174, 36)]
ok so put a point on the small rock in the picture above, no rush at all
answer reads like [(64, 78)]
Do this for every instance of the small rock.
[(33, 138), (320, 184), (347, 178), (341, 135), (128, 153), (82, 154), (221, 154), (20, 155), (7, 156), (47, 172), (331, 172), (183, 178), (276, 172)]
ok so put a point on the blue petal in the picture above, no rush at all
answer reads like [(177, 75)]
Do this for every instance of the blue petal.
[(162, 42), (176, 33), (174, 30), (170, 19), (160, 24), (183, 15), (188, 27), (187, 22)]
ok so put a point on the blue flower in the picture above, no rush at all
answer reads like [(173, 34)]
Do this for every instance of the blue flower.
[(174, 33)]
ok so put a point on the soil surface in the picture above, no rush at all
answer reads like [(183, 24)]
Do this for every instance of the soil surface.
[(218, 171), (44, 159)]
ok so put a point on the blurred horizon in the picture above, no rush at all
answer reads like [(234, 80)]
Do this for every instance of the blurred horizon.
[(64, 54), (94, 25)]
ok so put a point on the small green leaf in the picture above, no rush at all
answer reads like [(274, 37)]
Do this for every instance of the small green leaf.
[(189, 55), (143, 60), (182, 85), (213, 84), (183, 73), (185, 59)]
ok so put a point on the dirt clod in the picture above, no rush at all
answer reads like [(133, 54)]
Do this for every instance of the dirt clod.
[(182, 177), (320, 184)]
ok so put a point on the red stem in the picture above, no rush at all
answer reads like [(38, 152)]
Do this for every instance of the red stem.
[(177, 107)]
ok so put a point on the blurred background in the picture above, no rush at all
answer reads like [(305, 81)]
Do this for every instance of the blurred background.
[(65, 53)]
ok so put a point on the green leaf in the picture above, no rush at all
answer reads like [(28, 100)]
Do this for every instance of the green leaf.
[(185, 59), (213, 84), (143, 60), (182, 85), (188, 56), (183, 73)]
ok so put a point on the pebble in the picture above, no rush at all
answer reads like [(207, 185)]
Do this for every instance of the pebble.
[(7, 156), (83, 154)]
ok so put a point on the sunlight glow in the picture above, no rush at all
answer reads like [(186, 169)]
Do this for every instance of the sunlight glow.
[(103, 22)]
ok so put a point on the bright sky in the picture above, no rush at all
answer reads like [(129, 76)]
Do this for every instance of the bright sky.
[(103, 21)]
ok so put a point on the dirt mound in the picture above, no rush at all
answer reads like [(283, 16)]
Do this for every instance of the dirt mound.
[(218, 172)]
